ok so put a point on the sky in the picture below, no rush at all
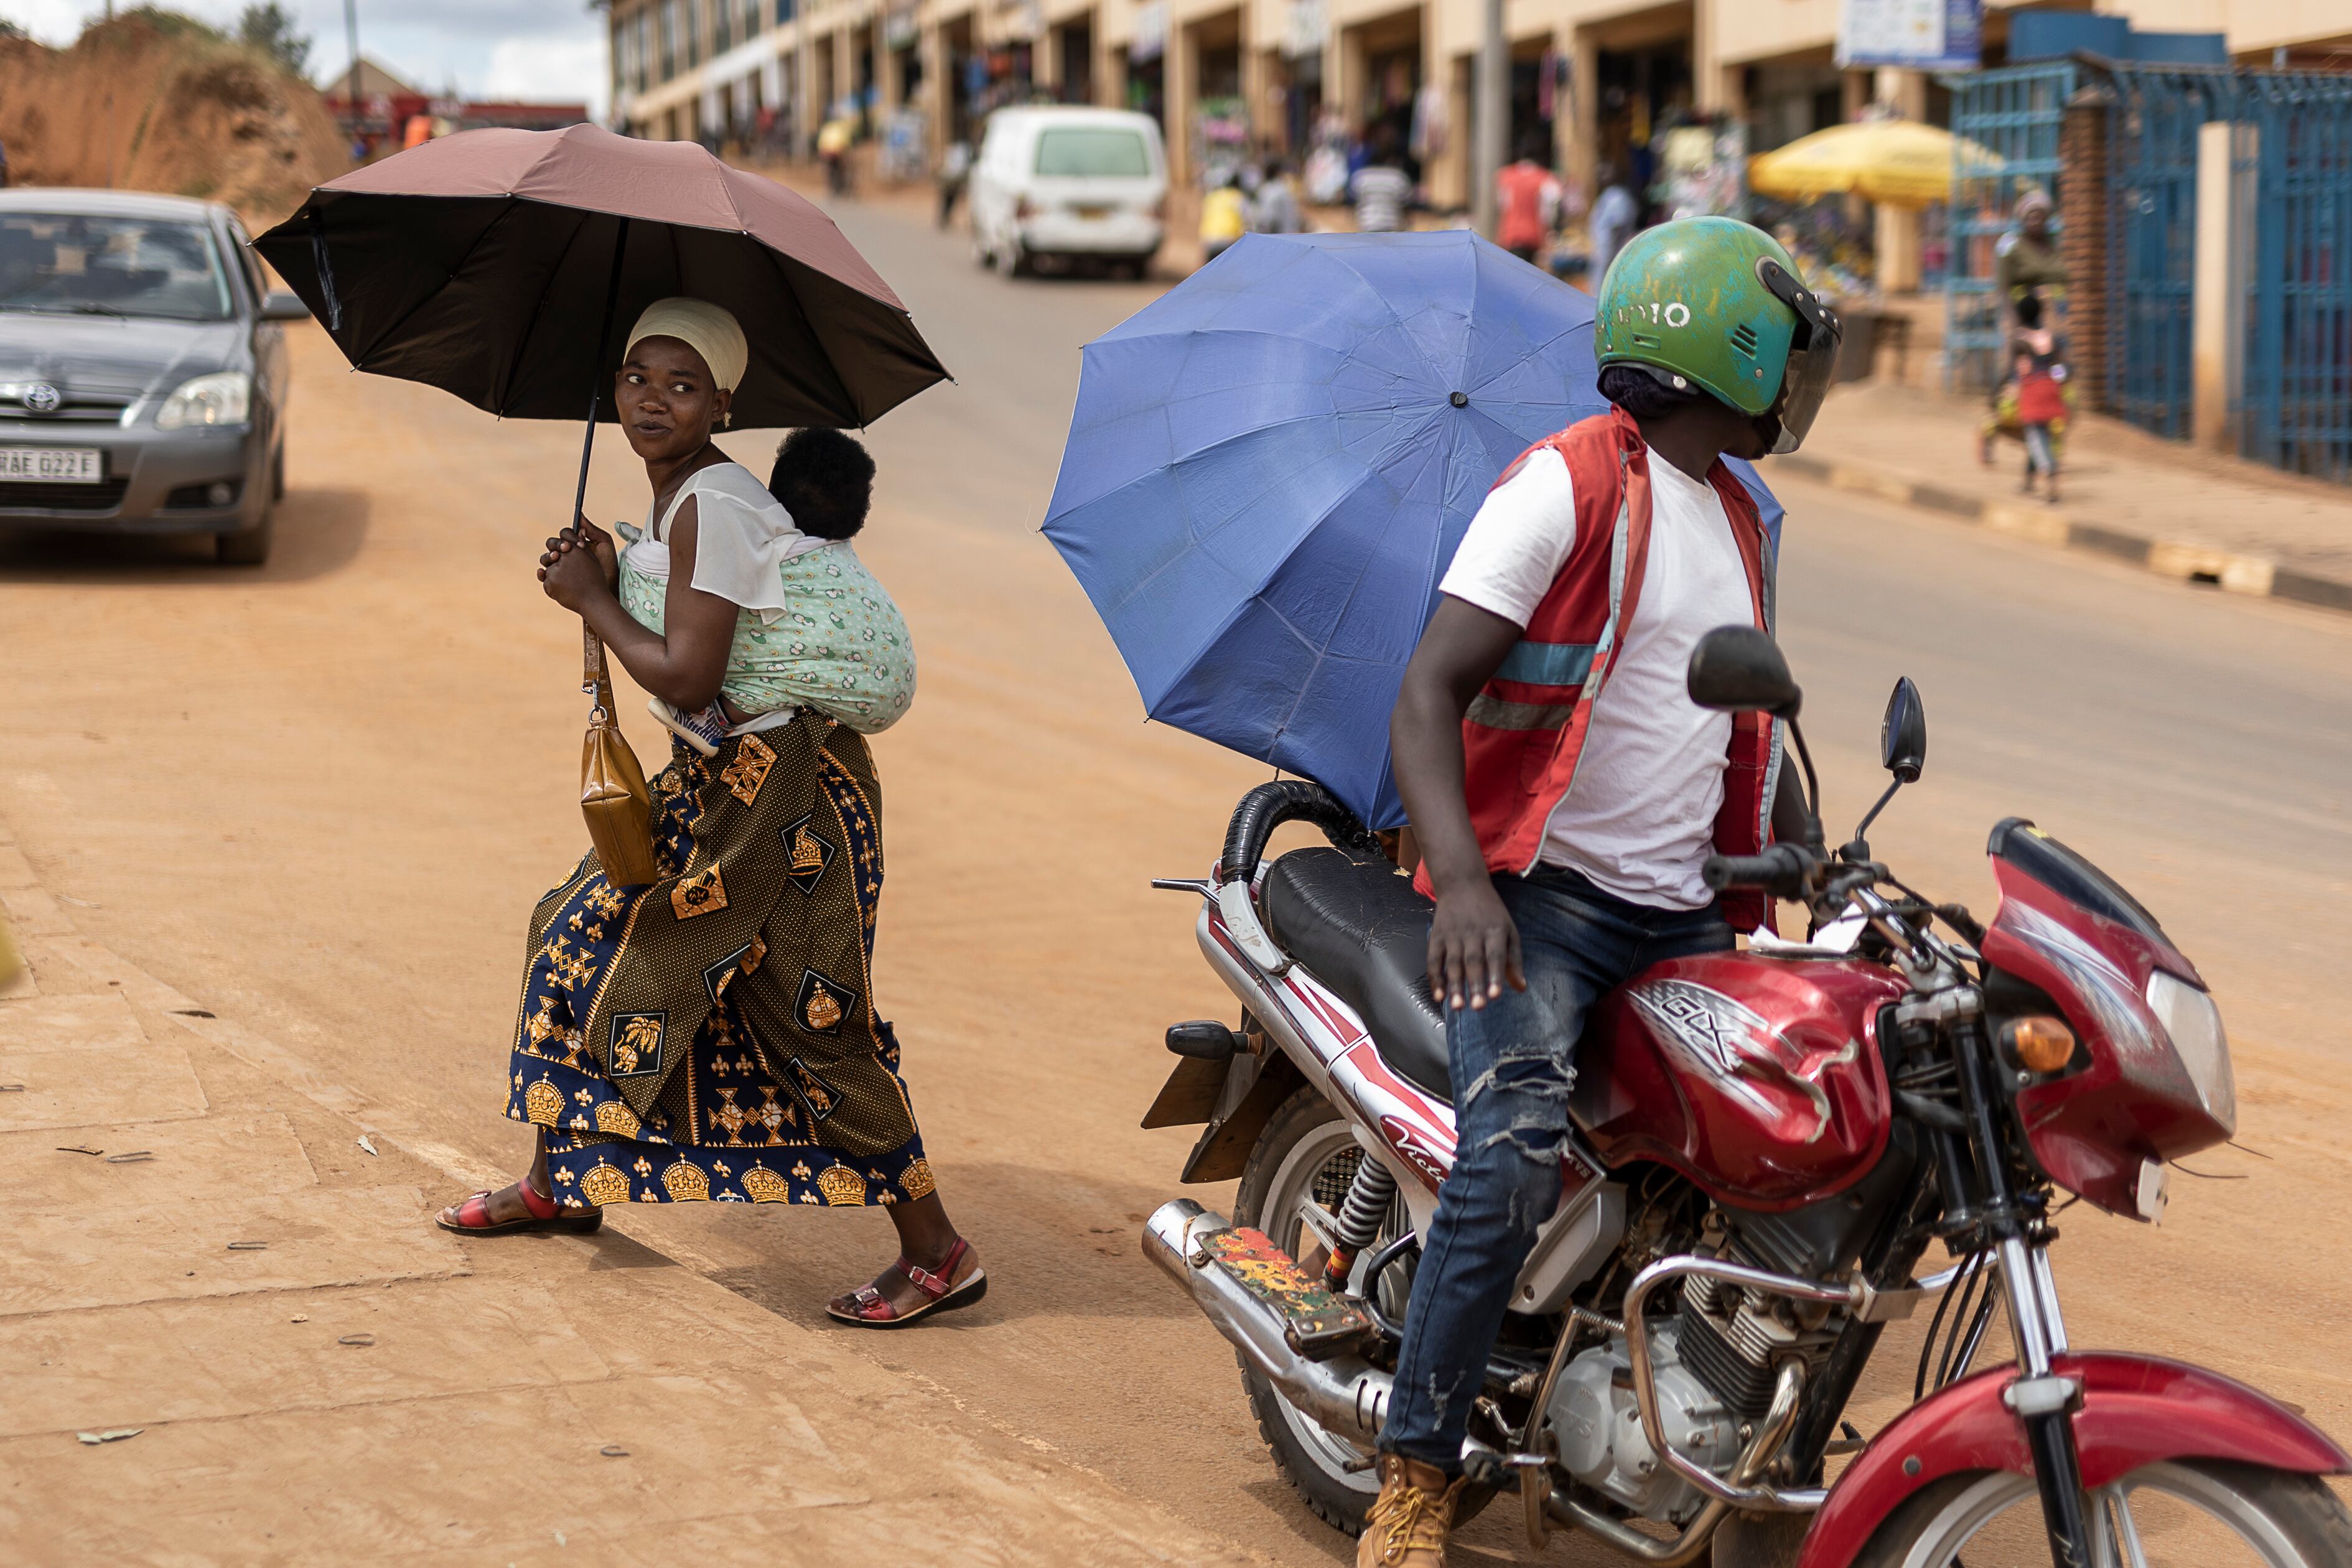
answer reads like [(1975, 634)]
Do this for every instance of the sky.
[(552, 50)]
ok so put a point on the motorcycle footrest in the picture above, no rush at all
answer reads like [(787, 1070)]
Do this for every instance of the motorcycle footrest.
[(1318, 1323)]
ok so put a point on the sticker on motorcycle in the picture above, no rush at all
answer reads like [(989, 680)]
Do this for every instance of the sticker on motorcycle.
[(1711, 1034)]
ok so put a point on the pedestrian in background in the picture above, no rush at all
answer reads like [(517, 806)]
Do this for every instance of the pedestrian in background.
[(955, 173), (1224, 216), (2037, 358), (1275, 209), (832, 141), (1527, 199), (3, 165), (2025, 261), (1382, 189), (1614, 213), (2026, 256)]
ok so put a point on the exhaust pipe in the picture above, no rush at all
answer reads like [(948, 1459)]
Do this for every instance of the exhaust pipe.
[(1347, 1395)]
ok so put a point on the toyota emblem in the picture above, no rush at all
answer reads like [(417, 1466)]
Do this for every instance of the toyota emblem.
[(42, 398)]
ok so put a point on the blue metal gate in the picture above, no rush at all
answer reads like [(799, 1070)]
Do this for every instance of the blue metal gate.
[(2294, 406), (2291, 163), (2005, 125), (2152, 138)]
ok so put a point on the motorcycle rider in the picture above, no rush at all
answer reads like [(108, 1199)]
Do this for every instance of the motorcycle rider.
[(1557, 656)]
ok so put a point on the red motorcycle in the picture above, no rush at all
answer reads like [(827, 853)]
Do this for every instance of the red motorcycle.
[(1767, 1143)]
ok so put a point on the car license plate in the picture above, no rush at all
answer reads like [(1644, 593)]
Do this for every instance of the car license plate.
[(1093, 210), (52, 465)]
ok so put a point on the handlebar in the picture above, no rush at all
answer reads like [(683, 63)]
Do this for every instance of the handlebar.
[(1783, 870)]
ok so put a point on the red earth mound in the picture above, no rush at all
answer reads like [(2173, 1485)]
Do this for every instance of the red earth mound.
[(153, 101)]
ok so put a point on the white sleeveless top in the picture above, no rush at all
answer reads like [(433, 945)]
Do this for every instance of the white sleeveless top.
[(742, 538)]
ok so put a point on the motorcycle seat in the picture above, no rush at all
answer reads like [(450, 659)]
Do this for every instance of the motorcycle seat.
[(1358, 926)]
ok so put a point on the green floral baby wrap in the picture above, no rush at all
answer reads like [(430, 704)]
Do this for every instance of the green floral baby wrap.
[(838, 644)]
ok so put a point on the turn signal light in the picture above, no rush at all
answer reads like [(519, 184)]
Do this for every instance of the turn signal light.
[(2040, 1043)]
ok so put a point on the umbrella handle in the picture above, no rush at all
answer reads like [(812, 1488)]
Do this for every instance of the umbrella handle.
[(594, 650)]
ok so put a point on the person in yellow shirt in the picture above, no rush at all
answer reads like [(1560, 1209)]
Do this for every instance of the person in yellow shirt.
[(1224, 216), (832, 139)]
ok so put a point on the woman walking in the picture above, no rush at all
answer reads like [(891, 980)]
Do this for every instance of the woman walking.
[(712, 1035)]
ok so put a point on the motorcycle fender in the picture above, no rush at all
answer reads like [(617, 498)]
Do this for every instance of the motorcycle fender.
[(2136, 1411), (1255, 1087)]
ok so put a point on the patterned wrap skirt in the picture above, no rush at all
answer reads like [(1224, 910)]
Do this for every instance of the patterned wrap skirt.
[(712, 1036)]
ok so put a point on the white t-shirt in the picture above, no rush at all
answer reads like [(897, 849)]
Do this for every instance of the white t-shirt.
[(1639, 819)]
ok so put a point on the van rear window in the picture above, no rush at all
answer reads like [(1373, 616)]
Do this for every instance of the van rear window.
[(1104, 152)]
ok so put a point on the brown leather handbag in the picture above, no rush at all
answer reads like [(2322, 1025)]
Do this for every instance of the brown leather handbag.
[(612, 793)]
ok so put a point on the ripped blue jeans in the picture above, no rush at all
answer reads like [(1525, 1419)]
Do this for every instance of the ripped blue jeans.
[(1511, 1072)]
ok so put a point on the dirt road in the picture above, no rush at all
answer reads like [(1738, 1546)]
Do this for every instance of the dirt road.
[(322, 799)]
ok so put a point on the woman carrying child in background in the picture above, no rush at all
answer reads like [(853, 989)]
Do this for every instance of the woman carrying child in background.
[(712, 1035)]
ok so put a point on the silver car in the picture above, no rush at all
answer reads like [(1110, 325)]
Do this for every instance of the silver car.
[(142, 370)]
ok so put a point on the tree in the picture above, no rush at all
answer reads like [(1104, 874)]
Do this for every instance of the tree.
[(269, 28)]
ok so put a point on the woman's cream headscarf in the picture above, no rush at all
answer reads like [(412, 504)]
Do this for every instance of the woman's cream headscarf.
[(703, 327)]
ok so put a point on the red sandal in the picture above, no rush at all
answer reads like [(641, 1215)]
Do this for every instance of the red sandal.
[(873, 1310), (544, 1214)]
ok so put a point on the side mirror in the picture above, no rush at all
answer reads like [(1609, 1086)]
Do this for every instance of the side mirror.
[(1739, 669), (279, 305), (1903, 734)]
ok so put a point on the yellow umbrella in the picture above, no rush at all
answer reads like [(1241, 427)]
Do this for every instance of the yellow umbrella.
[(1899, 161)]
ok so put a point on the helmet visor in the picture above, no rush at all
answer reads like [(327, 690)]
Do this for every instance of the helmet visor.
[(1813, 355)]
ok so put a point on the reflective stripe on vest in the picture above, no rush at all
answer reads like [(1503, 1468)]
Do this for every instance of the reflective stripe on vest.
[(1536, 664)]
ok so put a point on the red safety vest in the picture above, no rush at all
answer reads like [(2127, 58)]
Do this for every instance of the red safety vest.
[(1524, 734)]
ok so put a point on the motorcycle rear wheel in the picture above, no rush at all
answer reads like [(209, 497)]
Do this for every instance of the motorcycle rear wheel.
[(2278, 1520), (1297, 1177)]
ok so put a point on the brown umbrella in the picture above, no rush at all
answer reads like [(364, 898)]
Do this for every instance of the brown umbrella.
[(483, 263)]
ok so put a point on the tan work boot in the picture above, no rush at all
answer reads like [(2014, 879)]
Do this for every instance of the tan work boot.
[(1409, 1520)]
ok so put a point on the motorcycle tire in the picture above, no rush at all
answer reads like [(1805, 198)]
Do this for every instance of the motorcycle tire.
[(2287, 1521), (1305, 1140)]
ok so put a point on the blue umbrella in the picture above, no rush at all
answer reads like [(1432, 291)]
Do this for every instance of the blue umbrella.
[(1270, 467)]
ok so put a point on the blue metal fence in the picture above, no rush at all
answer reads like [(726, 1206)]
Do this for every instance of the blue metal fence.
[(2005, 125), (2291, 236), (2152, 141), (2295, 405)]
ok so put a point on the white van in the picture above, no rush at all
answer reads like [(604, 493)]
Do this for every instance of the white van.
[(1067, 183)]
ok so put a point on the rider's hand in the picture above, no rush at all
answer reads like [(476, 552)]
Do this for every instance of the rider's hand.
[(1474, 948)]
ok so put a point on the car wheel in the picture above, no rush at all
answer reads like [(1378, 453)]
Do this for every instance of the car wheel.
[(247, 546)]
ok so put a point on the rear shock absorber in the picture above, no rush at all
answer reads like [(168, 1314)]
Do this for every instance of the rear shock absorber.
[(1358, 1222)]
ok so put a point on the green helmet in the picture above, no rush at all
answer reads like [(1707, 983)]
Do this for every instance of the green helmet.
[(1716, 303)]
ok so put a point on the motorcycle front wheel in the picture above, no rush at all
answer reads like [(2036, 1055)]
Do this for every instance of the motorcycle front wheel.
[(1297, 1178), (2186, 1513)]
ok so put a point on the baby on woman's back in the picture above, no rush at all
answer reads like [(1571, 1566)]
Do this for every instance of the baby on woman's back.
[(828, 638)]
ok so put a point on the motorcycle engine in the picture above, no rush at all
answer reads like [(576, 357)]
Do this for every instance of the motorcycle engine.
[(1598, 1425)]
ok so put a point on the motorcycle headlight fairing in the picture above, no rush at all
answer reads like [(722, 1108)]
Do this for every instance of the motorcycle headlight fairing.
[(2194, 1025)]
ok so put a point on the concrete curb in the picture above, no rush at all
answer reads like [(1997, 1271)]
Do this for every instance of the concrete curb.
[(2233, 573)]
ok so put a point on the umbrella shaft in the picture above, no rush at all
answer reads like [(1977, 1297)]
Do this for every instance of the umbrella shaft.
[(596, 375)]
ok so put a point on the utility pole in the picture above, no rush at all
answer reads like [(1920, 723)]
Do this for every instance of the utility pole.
[(1487, 150), (351, 71)]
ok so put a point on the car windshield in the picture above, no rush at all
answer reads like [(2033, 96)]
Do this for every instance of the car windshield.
[(79, 264), (1104, 152)]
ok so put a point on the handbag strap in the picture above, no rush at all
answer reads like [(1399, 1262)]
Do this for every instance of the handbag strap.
[(595, 680)]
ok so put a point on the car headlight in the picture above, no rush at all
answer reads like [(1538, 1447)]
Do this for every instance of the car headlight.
[(224, 398), (2194, 1025)]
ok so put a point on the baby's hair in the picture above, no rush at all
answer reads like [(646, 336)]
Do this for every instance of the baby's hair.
[(2029, 310), (825, 479)]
